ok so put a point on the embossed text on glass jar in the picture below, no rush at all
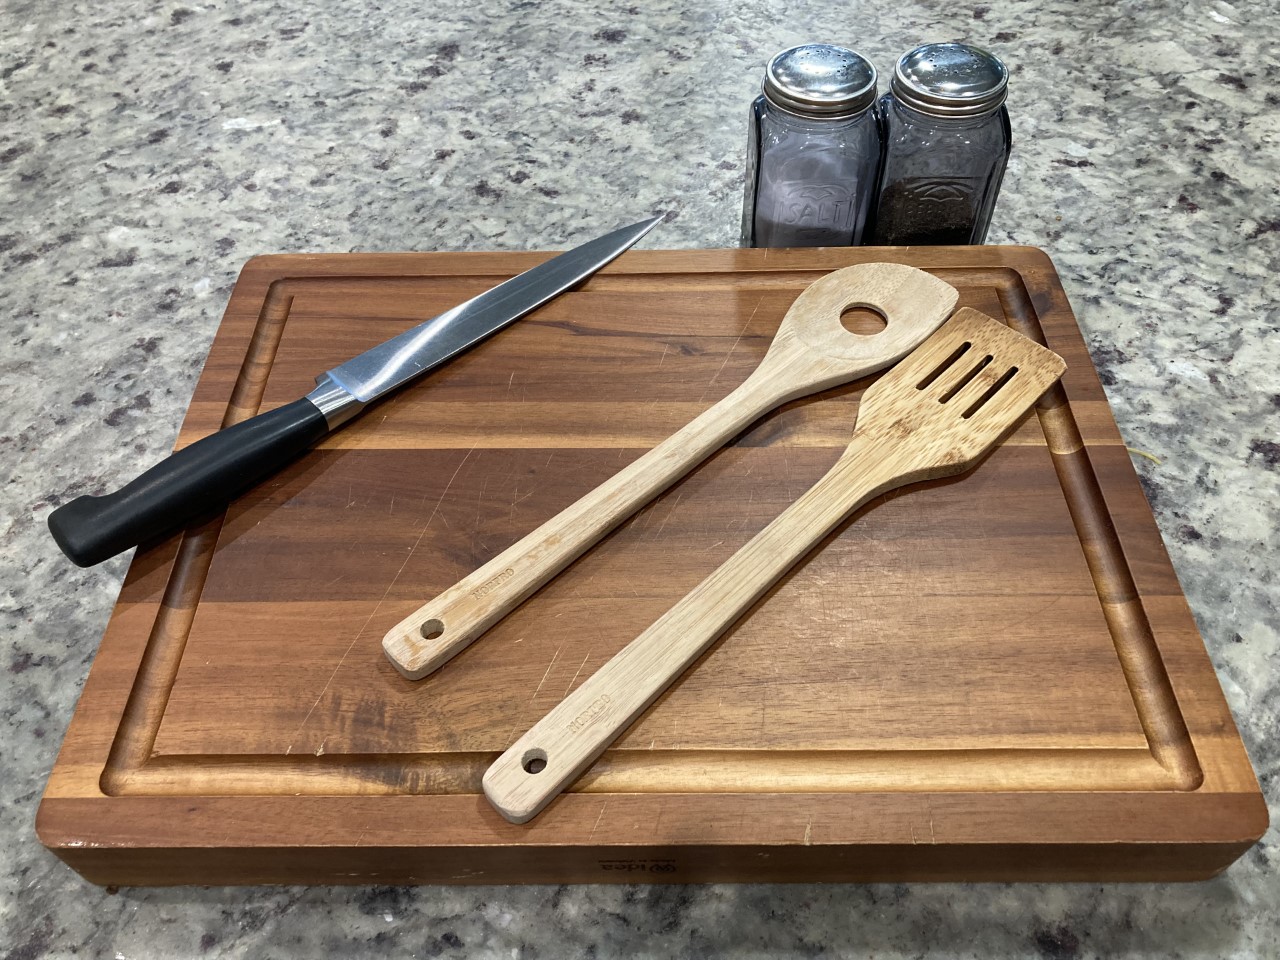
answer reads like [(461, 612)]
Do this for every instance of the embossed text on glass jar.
[(813, 147), (815, 179)]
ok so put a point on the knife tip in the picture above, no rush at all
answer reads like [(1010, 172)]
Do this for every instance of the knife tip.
[(644, 226)]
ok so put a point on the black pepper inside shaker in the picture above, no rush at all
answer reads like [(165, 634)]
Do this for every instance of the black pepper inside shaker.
[(813, 148), (946, 144)]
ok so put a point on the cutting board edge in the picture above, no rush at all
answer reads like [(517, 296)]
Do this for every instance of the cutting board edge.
[(919, 856)]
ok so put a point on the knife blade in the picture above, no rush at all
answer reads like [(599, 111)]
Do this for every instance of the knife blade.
[(210, 472)]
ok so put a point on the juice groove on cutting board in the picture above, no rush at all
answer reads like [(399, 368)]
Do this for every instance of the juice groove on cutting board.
[(1014, 639)]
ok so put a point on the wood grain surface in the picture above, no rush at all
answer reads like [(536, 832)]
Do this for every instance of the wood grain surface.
[(811, 351), (989, 676), (934, 414)]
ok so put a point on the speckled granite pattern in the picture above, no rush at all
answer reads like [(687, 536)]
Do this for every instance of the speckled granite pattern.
[(147, 150)]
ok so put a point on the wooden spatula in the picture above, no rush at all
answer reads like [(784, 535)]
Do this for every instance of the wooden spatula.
[(935, 414), (812, 351)]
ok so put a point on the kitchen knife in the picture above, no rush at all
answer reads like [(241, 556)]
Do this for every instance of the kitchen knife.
[(209, 472)]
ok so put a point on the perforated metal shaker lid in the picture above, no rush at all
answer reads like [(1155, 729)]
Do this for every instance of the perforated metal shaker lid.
[(820, 80), (950, 80)]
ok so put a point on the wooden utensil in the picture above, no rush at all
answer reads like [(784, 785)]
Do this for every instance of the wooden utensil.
[(812, 351), (937, 413)]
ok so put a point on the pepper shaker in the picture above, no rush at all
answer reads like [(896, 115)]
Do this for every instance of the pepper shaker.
[(946, 144), (813, 148)]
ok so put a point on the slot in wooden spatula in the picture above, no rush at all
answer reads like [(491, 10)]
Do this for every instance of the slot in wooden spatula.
[(937, 413), (811, 351)]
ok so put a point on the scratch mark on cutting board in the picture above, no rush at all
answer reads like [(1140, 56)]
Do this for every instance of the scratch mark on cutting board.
[(808, 832), (575, 676), (547, 674), (679, 497), (732, 348), (598, 819), (933, 837), (378, 605)]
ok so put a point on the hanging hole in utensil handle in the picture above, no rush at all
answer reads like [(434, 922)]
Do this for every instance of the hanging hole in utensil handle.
[(534, 760), (863, 319), (431, 629)]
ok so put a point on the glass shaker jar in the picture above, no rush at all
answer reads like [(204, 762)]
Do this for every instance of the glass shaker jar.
[(812, 151), (946, 144)]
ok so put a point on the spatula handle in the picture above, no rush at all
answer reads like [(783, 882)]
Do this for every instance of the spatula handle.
[(442, 628), (569, 738)]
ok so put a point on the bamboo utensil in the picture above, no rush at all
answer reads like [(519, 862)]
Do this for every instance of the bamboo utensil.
[(812, 351), (935, 414)]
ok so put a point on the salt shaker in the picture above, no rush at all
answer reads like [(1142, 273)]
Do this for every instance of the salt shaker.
[(812, 151), (946, 144)]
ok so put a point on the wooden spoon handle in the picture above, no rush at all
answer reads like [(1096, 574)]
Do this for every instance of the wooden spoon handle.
[(811, 351), (443, 627), (569, 738)]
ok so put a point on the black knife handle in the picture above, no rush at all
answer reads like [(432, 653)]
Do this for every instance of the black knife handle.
[(195, 480)]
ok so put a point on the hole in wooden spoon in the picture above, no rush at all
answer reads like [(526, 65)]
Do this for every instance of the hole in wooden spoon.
[(864, 321), (534, 761), (432, 629)]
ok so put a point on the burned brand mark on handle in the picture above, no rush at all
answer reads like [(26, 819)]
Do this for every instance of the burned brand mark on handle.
[(639, 866), (489, 586), (596, 707)]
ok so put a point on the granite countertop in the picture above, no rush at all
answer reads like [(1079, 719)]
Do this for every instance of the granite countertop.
[(148, 150)]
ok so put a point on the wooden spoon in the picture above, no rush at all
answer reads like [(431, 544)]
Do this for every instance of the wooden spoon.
[(936, 413), (812, 351)]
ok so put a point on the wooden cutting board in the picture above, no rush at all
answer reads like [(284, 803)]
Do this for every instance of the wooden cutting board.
[(989, 677)]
